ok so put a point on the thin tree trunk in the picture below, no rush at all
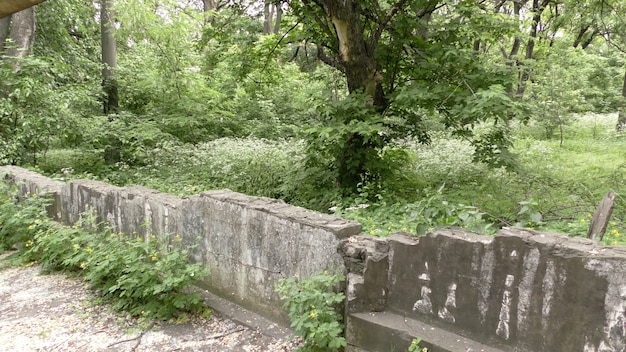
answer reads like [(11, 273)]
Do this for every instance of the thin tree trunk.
[(109, 61), (5, 24), (279, 15), (621, 118), (267, 17)]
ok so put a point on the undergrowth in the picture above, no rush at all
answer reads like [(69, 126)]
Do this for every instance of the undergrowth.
[(554, 185)]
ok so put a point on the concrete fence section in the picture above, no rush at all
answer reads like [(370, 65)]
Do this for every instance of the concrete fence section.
[(517, 291), (459, 291), (249, 243)]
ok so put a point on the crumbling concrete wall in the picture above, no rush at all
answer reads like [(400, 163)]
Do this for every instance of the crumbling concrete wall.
[(459, 291), (517, 291), (29, 182), (249, 243)]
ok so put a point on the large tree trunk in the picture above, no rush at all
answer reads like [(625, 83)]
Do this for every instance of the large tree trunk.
[(21, 36), (621, 117), (267, 17), (272, 15), (14, 6), (356, 58), (355, 55), (109, 53), (208, 5)]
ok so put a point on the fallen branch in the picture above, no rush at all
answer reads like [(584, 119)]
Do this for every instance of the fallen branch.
[(226, 334), (138, 338)]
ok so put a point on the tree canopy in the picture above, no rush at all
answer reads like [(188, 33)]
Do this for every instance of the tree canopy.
[(350, 78)]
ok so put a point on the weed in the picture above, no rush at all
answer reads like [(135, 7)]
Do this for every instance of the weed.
[(313, 306)]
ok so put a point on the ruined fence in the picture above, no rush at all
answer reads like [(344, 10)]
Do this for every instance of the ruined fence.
[(459, 291), (249, 243)]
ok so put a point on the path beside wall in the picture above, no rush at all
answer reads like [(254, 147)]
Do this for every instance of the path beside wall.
[(518, 291)]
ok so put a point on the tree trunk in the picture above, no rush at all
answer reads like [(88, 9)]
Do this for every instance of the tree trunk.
[(208, 5), (621, 118), (109, 51), (537, 10), (279, 15), (14, 6), (267, 17), (355, 55), (21, 36), (5, 23), (112, 151)]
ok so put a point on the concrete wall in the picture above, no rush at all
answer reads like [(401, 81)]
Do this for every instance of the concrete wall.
[(249, 243), (517, 291), (459, 291)]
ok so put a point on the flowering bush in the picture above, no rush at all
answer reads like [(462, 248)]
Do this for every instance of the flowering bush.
[(444, 158)]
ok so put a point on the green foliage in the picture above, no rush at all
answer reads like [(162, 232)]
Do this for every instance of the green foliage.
[(127, 136), (36, 108), (571, 80), (18, 221), (387, 216), (415, 346), (347, 140), (314, 307), (148, 278)]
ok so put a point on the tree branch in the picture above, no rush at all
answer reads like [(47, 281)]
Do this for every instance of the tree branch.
[(383, 24), (328, 60)]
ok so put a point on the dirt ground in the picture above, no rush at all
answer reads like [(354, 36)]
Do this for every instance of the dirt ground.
[(57, 313)]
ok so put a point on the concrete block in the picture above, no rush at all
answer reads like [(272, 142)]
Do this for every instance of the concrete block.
[(145, 212), (523, 289)]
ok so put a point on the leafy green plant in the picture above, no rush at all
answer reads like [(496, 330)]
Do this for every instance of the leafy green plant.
[(415, 346), (18, 221), (313, 306), (528, 213), (148, 278)]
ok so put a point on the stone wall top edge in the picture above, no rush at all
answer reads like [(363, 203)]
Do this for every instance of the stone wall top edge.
[(564, 245), (276, 207), (461, 234), (20, 174), (92, 184)]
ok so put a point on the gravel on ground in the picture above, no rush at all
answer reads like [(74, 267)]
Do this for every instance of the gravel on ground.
[(57, 313)]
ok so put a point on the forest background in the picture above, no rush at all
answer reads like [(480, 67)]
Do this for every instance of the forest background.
[(405, 115)]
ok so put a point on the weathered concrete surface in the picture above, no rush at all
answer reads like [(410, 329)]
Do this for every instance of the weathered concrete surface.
[(29, 182), (519, 290), (251, 242)]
